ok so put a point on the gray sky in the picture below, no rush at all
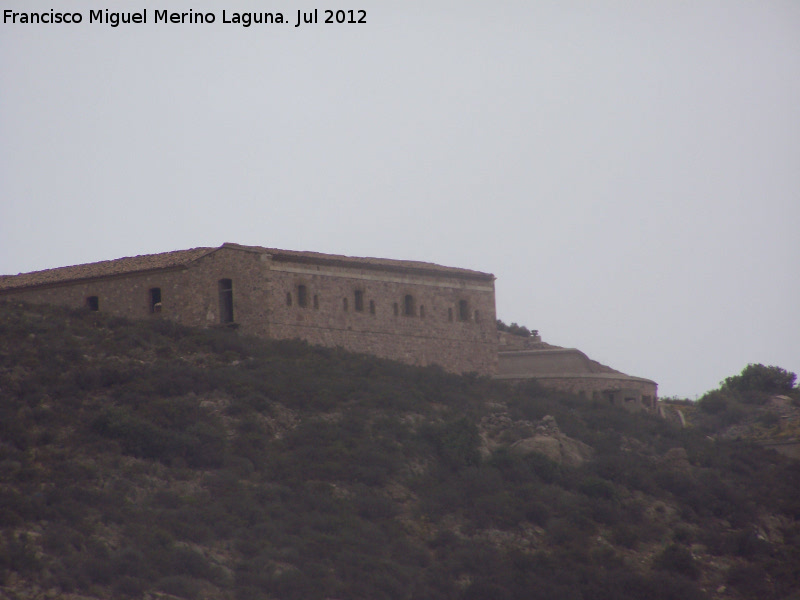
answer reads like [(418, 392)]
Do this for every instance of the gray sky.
[(630, 171)]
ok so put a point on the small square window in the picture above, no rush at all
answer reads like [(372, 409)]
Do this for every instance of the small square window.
[(93, 303)]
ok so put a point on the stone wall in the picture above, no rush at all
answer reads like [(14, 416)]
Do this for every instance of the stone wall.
[(189, 295), (416, 318), (628, 392), (570, 370)]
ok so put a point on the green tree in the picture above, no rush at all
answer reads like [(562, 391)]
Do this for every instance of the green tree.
[(759, 378)]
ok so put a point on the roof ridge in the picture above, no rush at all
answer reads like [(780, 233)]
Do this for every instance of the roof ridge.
[(179, 258)]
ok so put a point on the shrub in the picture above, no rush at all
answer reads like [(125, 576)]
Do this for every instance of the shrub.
[(457, 443), (713, 402), (677, 559), (760, 378), (179, 585), (750, 581)]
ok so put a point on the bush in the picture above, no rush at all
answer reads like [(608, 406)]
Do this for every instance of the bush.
[(714, 402), (677, 559), (179, 585), (759, 378)]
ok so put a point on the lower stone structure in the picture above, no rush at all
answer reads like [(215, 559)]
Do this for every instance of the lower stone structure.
[(570, 370)]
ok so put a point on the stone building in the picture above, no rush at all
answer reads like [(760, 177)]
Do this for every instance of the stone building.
[(570, 370), (415, 312), (418, 313)]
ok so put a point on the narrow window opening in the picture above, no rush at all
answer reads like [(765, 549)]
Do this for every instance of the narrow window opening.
[(288, 298), (359, 301), (396, 309), (225, 301), (476, 315), (421, 311), (93, 303), (463, 310), (155, 300), (316, 302), (372, 307), (450, 314), (302, 296), (408, 305), (344, 304)]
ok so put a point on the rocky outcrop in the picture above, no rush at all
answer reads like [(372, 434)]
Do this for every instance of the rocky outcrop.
[(525, 437)]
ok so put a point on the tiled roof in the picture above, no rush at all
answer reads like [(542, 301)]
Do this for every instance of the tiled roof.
[(105, 268), (178, 258), (372, 263)]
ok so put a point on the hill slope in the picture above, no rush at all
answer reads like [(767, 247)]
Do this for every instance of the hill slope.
[(145, 460)]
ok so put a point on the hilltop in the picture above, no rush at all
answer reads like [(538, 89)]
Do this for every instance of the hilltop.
[(149, 460)]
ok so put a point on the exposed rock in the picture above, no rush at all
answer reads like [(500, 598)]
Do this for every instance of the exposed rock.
[(525, 437), (558, 448)]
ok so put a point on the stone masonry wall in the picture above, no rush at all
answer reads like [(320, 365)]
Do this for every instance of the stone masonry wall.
[(188, 295), (629, 392), (365, 310)]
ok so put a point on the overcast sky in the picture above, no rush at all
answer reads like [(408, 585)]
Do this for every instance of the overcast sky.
[(630, 171)]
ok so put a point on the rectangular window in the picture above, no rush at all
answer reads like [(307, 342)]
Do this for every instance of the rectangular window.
[(359, 301), (396, 309), (408, 305), (372, 307), (302, 296), (450, 314), (344, 304), (225, 301), (93, 303), (421, 311), (316, 302), (288, 298), (463, 310), (155, 300)]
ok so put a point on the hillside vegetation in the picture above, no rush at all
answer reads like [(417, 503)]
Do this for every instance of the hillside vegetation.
[(147, 460)]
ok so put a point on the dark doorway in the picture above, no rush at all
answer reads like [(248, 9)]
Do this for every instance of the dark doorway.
[(155, 300), (463, 310), (302, 296), (408, 305), (225, 301)]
